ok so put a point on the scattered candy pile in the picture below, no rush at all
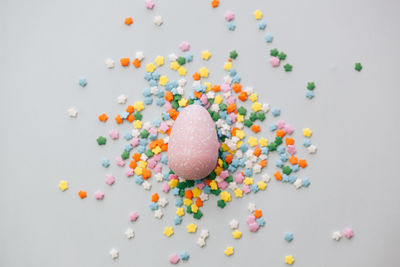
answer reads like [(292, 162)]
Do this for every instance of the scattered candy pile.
[(238, 115)]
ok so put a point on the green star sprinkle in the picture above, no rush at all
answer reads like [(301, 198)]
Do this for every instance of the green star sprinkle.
[(288, 67), (101, 140), (274, 52), (282, 55), (233, 54), (358, 66), (221, 203), (181, 60), (310, 86)]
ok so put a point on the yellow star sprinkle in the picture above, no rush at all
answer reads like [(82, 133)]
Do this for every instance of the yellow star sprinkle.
[(138, 171), (258, 14), (228, 251), (150, 67), (205, 55), (240, 134), (138, 106), (253, 97), (204, 72), (194, 208), (289, 259), (137, 124), (262, 185), (228, 66), (263, 141), (173, 183), (183, 102), (208, 86), (156, 150), (225, 196), (63, 185), (307, 132), (248, 181), (163, 80), (252, 141), (240, 118), (142, 164), (237, 234), (187, 202), (180, 212), (256, 106), (196, 192), (238, 192), (213, 185), (217, 99), (182, 71), (191, 228), (159, 60), (168, 231), (174, 65)]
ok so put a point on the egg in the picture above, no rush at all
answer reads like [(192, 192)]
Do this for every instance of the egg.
[(193, 144)]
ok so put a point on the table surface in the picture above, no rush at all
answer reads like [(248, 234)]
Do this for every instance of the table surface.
[(48, 45)]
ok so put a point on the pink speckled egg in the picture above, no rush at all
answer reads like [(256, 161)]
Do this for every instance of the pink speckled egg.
[(193, 144)]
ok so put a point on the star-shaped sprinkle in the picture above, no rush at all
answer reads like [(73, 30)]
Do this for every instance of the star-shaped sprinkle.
[(252, 141), (233, 54), (114, 253), (168, 231), (298, 183), (103, 117), (63, 185), (158, 214), (138, 105), (282, 55), (139, 55), (236, 234), (307, 132), (150, 67), (348, 233), (215, 3), (312, 149), (174, 258), (72, 112), (289, 259), (149, 4), (82, 194), (228, 251), (191, 228), (133, 216), (205, 55), (184, 46), (158, 21), (251, 207), (99, 195), (83, 82), (288, 237), (204, 72), (258, 14), (184, 255), (109, 63), (310, 86), (159, 60), (204, 234), (336, 235), (233, 224), (163, 202), (201, 242), (129, 233), (288, 67), (146, 185), (358, 66), (122, 99), (110, 179)]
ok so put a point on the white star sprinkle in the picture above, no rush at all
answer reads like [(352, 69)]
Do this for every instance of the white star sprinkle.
[(109, 63), (122, 99), (163, 202), (265, 107), (182, 82), (159, 177), (146, 185), (129, 233), (114, 253), (234, 224), (204, 234), (158, 214), (72, 112), (201, 242), (297, 183), (158, 20), (172, 57), (204, 197), (312, 149), (266, 178), (139, 55), (251, 207), (336, 235)]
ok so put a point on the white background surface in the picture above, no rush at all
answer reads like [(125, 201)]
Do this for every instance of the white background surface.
[(47, 45)]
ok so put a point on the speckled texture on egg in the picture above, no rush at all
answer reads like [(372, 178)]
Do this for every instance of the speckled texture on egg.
[(193, 144)]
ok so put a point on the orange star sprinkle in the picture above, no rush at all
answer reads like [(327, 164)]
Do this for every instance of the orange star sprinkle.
[(303, 163), (82, 194), (215, 3), (278, 176), (124, 61), (293, 160), (103, 117), (128, 21)]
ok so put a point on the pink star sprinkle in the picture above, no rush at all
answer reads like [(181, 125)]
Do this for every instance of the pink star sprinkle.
[(291, 149), (110, 179), (133, 216), (120, 162), (253, 227), (174, 258), (99, 195), (348, 233), (165, 187), (114, 134), (184, 46), (275, 62), (280, 124), (149, 4), (129, 172), (288, 129), (229, 15), (251, 219)]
